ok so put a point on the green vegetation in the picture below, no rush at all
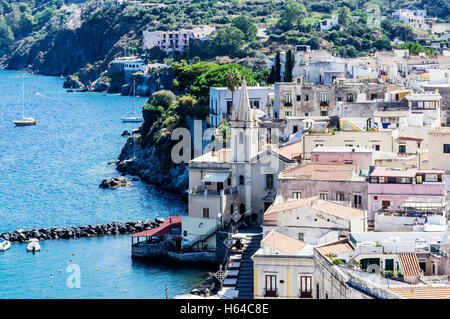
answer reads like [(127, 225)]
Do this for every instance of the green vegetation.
[(415, 48)]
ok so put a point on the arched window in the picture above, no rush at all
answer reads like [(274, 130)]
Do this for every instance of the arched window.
[(241, 180)]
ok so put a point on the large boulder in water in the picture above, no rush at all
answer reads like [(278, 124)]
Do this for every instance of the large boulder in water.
[(115, 182)]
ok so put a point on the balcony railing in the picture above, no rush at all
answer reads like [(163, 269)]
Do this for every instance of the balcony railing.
[(270, 293), (201, 190), (304, 294)]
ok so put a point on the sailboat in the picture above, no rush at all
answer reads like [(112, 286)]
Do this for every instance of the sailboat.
[(25, 121), (134, 118)]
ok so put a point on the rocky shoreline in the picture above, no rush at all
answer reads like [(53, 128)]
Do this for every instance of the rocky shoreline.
[(113, 228), (141, 161)]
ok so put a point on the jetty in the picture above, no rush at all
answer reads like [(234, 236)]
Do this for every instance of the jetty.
[(113, 228)]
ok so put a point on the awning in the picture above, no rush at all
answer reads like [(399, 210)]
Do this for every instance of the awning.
[(216, 177)]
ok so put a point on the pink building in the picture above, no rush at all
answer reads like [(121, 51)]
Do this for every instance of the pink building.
[(333, 182), (389, 188), (343, 155)]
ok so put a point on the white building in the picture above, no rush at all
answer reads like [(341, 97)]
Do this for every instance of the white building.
[(416, 18), (327, 24), (313, 220), (222, 101), (169, 41)]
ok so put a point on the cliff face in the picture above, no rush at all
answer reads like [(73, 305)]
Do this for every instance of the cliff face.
[(142, 161), (83, 45)]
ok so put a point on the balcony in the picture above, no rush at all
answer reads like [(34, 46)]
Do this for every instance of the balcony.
[(270, 293), (201, 190), (304, 294)]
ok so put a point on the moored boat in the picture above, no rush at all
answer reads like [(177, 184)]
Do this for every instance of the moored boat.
[(33, 245), (4, 245)]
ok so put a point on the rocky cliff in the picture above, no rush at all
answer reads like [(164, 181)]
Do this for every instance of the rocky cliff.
[(142, 161), (83, 45)]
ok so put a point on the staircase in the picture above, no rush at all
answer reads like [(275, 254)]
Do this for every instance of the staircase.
[(244, 281)]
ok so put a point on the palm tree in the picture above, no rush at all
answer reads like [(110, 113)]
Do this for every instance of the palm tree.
[(233, 78)]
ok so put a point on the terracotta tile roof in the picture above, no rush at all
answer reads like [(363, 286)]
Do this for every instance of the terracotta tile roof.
[(335, 176), (308, 170), (285, 243), (410, 264), (291, 151), (337, 210), (334, 248), (429, 292), (446, 247), (341, 211), (290, 205)]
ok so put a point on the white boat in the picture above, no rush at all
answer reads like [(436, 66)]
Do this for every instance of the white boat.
[(134, 118), (33, 245), (25, 121), (4, 245)]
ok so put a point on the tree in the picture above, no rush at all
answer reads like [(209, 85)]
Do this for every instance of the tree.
[(344, 16), (233, 77), (263, 77), (292, 15), (216, 77), (277, 67), (289, 66), (227, 41), (187, 74), (246, 25), (6, 34)]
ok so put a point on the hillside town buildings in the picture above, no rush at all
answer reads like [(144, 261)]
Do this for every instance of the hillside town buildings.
[(177, 40)]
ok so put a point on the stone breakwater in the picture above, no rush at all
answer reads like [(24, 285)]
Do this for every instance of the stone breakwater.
[(113, 228)]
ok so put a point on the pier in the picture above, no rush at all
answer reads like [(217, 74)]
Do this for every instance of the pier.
[(113, 228)]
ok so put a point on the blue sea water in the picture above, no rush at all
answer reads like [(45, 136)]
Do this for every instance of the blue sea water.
[(49, 176)]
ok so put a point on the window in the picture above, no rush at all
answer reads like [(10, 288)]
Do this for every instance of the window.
[(229, 106), (305, 287), (241, 180), (271, 286), (288, 99), (402, 149), (269, 181), (323, 196), (339, 99), (288, 113), (447, 148), (297, 195), (295, 129), (340, 197), (349, 97), (323, 113), (205, 212), (185, 233), (301, 236), (323, 98), (306, 97), (376, 147), (357, 199), (207, 183), (299, 98)]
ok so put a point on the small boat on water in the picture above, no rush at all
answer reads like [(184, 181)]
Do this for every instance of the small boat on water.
[(33, 245), (134, 118), (4, 245), (25, 121)]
